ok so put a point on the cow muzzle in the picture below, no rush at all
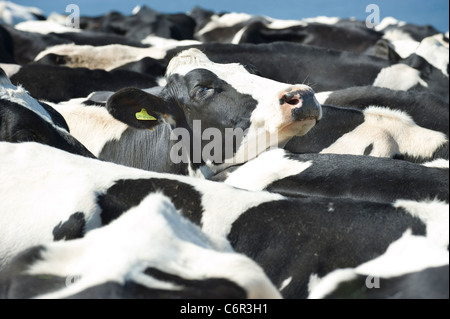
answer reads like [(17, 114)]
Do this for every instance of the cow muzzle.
[(300, 110), (301, 104)]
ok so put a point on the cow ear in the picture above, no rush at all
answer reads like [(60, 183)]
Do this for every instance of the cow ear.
[(138, 108), (384, 50), (57, 118)]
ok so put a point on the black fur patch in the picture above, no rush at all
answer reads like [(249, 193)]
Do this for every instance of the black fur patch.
[(30, 286), (126, 194), (73, 228), (368, 150)]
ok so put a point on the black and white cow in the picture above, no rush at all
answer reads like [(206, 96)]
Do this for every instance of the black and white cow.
[(6, 47), (352, 37), (23, 119), (107, 57), (434, 80), (426, 109), (433, 49), (294, 240), (149, 252), (332, 33), (97, 38), (341, 176), (328, 70), (329, 32), (58, 83), (323, 69), (416, 32), (142, 23), (210, 105), (26, 45), (12, 13), (155, 67), (374, 131), (111, 56), (411, 268)]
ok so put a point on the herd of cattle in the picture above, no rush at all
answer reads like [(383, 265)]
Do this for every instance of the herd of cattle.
[(347, 198)]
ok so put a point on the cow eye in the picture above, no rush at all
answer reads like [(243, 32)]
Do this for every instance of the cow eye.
[(204, 92)]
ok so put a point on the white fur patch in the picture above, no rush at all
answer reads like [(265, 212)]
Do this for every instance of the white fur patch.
[(322, 97), (322, 20), (93, 126), (405, 48), (224, 21), (136, 10), (102, 57), (162, 81), (322, 287), (283, 24), (399, 77), (313, 282), (402, 42), (439, 163), (58, 18), (388, 21), (167, 44), (44, 27), (10, 69), (396, 35), (285, 283), (238, 36), (267, 168)]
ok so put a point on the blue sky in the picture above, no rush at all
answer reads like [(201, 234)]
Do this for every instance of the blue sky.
[(433, 12)]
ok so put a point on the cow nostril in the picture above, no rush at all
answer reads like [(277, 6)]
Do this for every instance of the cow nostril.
[(292, 98), (293, 101)]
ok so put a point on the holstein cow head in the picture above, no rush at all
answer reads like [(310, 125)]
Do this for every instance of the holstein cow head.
[(222, 114), (24, 119)]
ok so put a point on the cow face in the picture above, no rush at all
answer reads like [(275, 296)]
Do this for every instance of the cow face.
[(23, 119), (273, 106), (219, 100)]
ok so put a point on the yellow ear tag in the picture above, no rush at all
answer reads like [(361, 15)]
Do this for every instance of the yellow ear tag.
[(144, 116)]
